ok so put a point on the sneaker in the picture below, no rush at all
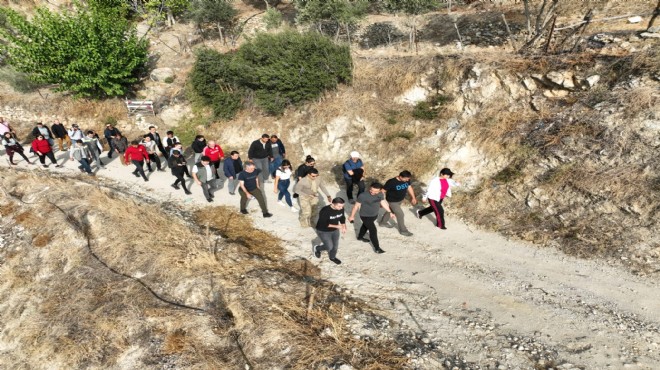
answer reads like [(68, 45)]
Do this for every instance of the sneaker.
[(268, 214), (188, 192), (379, 251), (136, 174), (58, 166), (294, 209), (417, 214), (45, 165), (387, 225), (406, 233), (209, 200), (336, 260), (363, 239), (161, 169), (281, 202), (316, 251), (244, 211), (175, 186), (232, 193), (351, 201), (443, 228), (146, 180)]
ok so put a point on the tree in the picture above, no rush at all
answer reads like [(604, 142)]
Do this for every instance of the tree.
[(90, 51), (220, 13), (339, 13), (167, 9), (413, 8)]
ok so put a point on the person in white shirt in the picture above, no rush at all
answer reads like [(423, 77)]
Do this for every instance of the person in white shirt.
[(282, 181), (204, 173), (151, 147), (439, 188)]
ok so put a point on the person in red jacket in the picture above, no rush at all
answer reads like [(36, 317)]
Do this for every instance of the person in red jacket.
[(137, 154), (215, 154), (42, 147)]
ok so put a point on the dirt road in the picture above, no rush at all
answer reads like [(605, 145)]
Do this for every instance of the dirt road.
[(471, 299)]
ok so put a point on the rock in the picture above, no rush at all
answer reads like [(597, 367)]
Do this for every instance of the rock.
[(593, 80), (529, 84), (537, 103), (345, 367), (654, 29), (555, 77), (162, 74), (635, 19), (555, 93), (603, 38), (649, 35)]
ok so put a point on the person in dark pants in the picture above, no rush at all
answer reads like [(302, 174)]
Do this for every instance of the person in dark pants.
[(203, 173), (259, 153), (151, 146), (155, 137), (278, 154), (42, 147), (137, 155), (368, 203), (232, 167), (216, 155), (395, 192), (332, 221), (120, 144), (198, 147), (439, 188), (354, 173), (110, 133), (13, 146), (249, 188), (44, 131), (304, 168), (80, 152), (179, 166)]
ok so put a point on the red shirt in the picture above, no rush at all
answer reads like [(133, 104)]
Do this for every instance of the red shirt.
[(138, 153), (41, 146), (215, 153), (444, 187)]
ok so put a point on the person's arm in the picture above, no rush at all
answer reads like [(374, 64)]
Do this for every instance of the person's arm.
[(277, 180), (126, 156), (251, 150), (356, 207), (281, 148), (242, 185), (411, 192), (347, 168), (386, 206), (71, 153), (222, 154), (194, 174), (342, 224), (324, 190)]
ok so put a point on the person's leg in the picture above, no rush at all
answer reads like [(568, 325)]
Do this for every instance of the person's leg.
[(386, 217), (426, 210), (370, 224), (332, 250), (60, 143), (361, 187), (221, 178), (349, 188), (314, 217), (97, 158), (260, 198), (326, 240), (439, 213), (400, 218), (139, 169), (85, 165), (186, 172), (68, 141), (10, 154), (231, 185), (264, 172), (24, 156), (305, 210), (51, 156), (42, 159), (244, 199), (205, 191), (183, 183), (157, 160)]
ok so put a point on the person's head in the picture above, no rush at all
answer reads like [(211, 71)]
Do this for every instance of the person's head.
[(118, 136), (249, 167), (146, 138), (211, 144), (355, 156), (375, 188), (57, 121), (7, 135), (40, 137), (40, 124), (75, 127), (176, 153), (205, 160), (265, 138), (446, 173), (286, 163), (405, 175), (199, 137), (135, 143), (169, 133), (233, 154), (152, 129), (108, 126), (90, 133), (79, 142), (313, 173), (310, 161), (178, 145), (273, 138), (338, 203)]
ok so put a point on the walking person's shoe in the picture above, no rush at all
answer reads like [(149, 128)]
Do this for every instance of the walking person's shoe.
[(443, 228), (45, 165), (188, 192), (351, 201), (209, 200), (363, 239), (387, 225), (336, 260), (417, 214), (281, 202), (406, 233), (175, 186), (58, 166), (316, 251), (244, 211), (268, 215), (136, 174), (379, 251), (161, 169), (294, 209)]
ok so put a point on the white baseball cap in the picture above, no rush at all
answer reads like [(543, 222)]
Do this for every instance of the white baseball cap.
[(355, 154)]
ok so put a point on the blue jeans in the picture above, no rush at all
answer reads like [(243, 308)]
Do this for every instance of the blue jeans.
[(283, 188), (84, 165), (272, 166)]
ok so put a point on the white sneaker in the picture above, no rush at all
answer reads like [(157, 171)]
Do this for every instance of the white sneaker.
[(281, 202), (293, 209)]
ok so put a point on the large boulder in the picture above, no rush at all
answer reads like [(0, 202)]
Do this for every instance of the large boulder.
[(162, 75)]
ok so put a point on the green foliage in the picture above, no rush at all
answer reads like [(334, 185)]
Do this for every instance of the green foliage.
[(169, 80), (278, 70), (424, 110), (174, 7), (19, 81), (110, 120), (216, 12), (411, 7), (91, 52), (340, 12), (399, 134), (272, 18)]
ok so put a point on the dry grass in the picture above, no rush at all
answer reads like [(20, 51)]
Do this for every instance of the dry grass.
[(246, 304)]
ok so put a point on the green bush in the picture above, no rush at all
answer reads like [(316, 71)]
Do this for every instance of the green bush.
[(424, 110), (19, 81), (276, 70), (90, 51), (272, 18)]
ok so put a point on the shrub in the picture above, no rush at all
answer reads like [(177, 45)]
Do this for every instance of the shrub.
[(400, 134), (90, 51), (382, 33), (424, 110), (19, 81), (272, 18), (277, 70)]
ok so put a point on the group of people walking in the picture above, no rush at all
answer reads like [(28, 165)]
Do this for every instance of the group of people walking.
[(267, 160)]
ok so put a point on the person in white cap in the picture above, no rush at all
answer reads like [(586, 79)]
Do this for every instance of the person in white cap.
[(354, 173)]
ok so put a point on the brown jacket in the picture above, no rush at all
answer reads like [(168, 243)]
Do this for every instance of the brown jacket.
[(304, 187)]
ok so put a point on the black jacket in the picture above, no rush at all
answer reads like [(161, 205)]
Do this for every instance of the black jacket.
[(258, 151), (280, 148), (36, 132), (159, 141), (198, 146), (109, 134), (59, 131)]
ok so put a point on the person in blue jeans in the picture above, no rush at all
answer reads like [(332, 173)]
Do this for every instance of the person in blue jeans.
[(282, 181), (353, 170)]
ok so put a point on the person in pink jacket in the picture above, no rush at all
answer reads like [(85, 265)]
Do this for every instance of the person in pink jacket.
[(42, 147), (439, 188)]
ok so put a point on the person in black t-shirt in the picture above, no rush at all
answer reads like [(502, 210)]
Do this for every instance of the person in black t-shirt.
[(332, 221), (250, 188), (395, 192)]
